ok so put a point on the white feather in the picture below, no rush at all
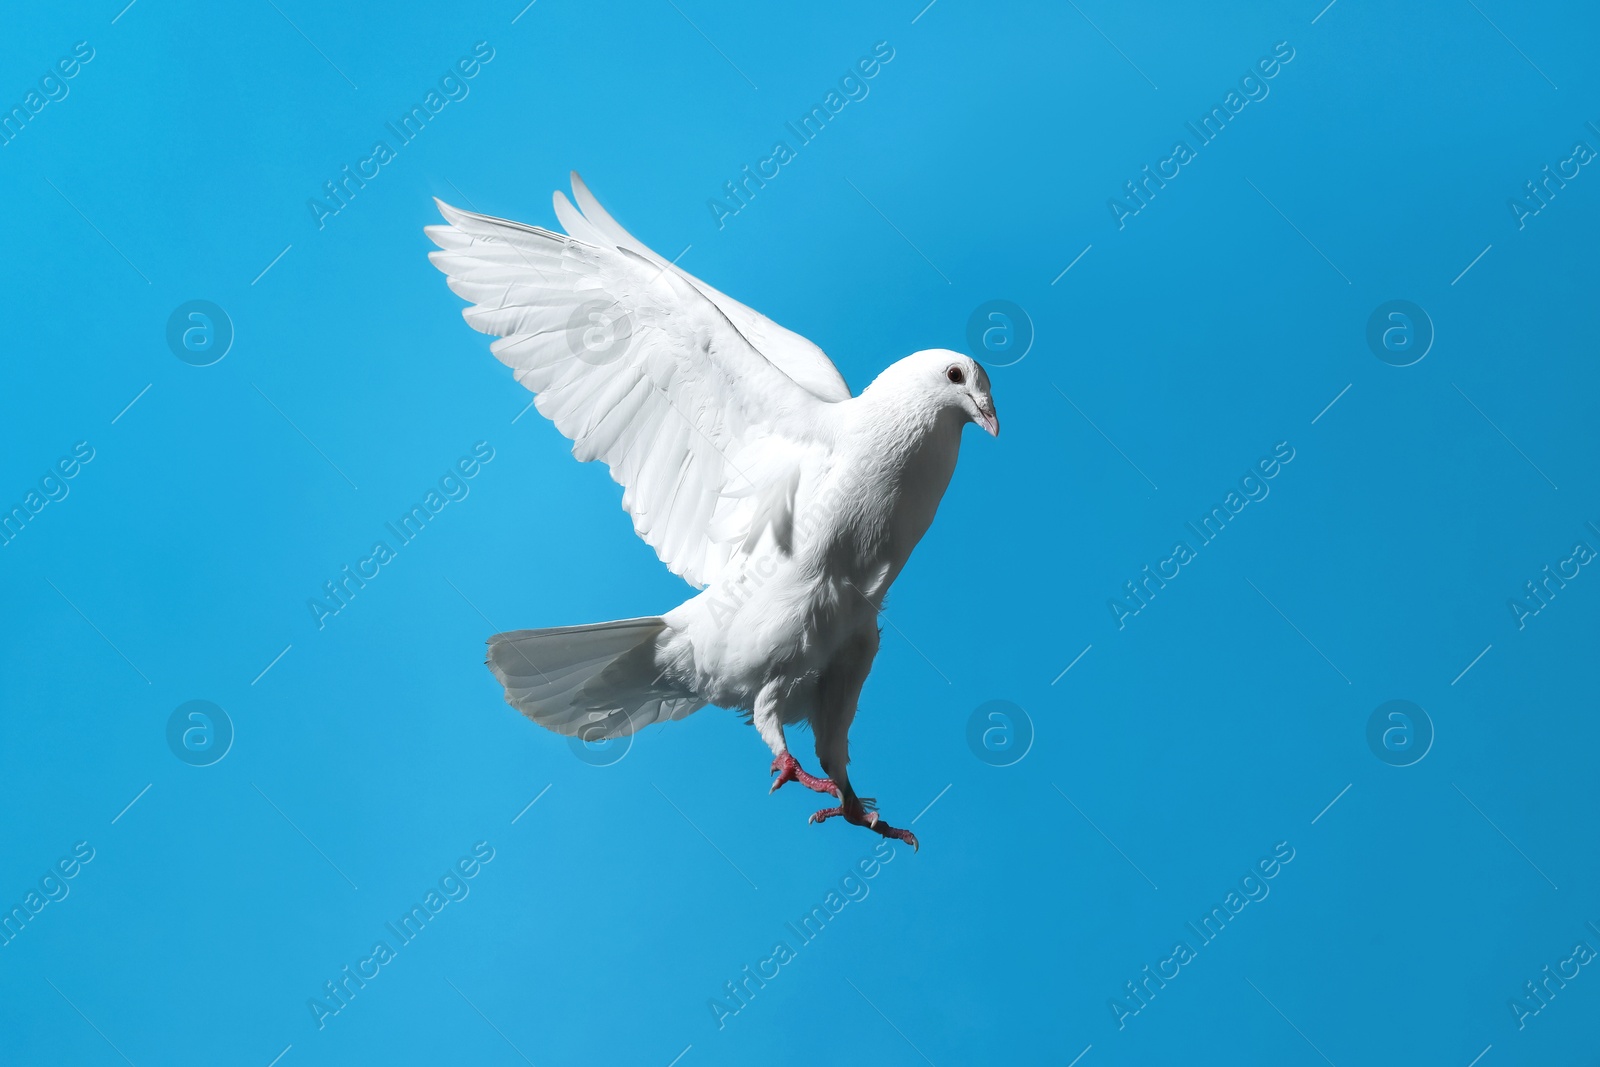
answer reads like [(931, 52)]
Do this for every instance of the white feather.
[(745, 463)]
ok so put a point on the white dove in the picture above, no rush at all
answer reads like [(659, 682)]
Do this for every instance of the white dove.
[(747, 466)]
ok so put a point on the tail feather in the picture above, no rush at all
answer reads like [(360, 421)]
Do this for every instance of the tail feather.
[(596, 682)]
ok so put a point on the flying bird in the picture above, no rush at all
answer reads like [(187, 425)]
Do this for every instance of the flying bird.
[(747, 466)]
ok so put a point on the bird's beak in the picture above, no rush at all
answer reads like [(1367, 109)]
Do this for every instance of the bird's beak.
[(987, 417)]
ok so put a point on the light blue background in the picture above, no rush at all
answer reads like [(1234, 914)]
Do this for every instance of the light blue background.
[(1195, 739)]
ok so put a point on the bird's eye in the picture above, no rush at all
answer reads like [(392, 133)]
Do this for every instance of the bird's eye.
[(955, 376)]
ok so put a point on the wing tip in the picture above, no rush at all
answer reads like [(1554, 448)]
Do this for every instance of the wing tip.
[(451, 214)]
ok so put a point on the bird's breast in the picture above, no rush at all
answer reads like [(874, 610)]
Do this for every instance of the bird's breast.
[(788, 611), (872, 513)]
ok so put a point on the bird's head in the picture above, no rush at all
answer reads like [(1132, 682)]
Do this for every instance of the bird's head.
[(957, 382)]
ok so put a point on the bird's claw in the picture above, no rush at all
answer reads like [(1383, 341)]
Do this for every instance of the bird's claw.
[(859, 816), (787, 768)]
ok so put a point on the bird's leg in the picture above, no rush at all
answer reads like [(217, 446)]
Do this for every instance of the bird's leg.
[(855, 812), (832, 729), (788, 769), (767, 715)]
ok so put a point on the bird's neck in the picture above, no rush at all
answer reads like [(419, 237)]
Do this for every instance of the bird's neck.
[(897, 426), (907, 456)]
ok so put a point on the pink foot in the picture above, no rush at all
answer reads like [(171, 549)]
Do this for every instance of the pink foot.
[(787, 768), (855, 813)]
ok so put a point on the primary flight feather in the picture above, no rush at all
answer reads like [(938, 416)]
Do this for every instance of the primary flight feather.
[(746, 465)]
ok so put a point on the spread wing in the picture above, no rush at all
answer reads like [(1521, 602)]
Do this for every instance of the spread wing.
[(642, 368), (797, 357)]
